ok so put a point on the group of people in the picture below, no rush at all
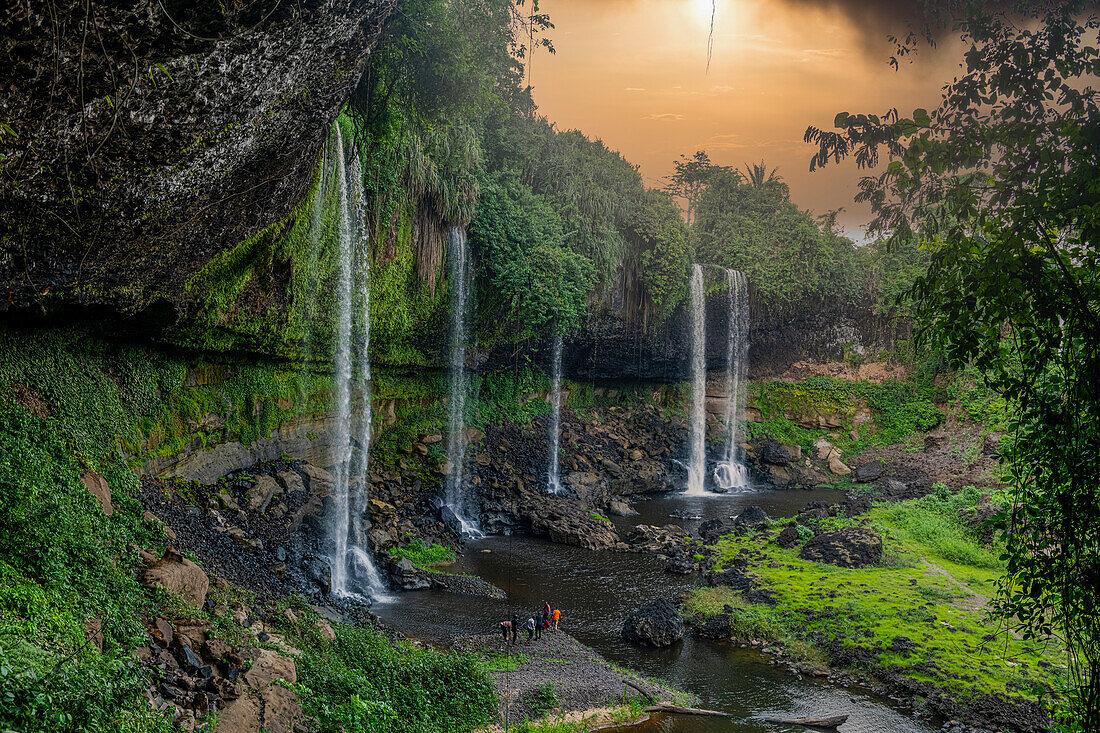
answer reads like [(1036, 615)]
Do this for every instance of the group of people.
[(543, 620)]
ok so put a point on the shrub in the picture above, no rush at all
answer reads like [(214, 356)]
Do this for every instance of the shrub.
[(362, 683), (424, 556)]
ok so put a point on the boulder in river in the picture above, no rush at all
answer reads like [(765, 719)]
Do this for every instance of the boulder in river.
[(848, 547), (711, 530), (751, 517), (655, 624)]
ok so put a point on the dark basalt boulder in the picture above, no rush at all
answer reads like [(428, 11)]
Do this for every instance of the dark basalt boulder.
[(405, 576), (751, 517), (775, 454), (655, 624), (711, 530), (848, 547), (732, 578), (648, 538), (789, 537), (679, 566), (869, 472)]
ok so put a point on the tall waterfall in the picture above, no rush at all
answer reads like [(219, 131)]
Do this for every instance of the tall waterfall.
[(353, 572), (553, 477), (697, 460), (730, 472), (461, 277)]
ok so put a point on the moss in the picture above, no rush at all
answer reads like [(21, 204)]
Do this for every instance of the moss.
[(115, 406), (935, 597)]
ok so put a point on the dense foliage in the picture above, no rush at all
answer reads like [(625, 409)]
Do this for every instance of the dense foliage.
[(1000, 182), (62, 562), (362, 682)]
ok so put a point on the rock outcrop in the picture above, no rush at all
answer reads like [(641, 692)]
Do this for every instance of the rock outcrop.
[(848, 547), (176, 574), (654, 624), (176, 138)]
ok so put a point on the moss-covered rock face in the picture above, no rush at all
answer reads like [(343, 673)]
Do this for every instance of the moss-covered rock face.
[(142, 142)]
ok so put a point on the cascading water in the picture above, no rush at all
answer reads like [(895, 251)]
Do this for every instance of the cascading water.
[(353, 572), (553, 477), (730, 472), (697, 459), (461, 276)]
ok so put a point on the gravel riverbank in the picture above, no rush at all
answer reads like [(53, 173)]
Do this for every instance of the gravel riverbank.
[(581, 678)]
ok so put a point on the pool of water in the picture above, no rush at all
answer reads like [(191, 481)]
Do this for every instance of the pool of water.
[(596, 590)]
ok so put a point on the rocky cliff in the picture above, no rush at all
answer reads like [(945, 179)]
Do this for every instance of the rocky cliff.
[(142, 139)]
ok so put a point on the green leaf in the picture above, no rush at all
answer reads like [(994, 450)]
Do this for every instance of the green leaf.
[(920, 116)]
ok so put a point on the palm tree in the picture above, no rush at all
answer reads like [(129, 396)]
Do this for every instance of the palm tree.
[(758, 174)]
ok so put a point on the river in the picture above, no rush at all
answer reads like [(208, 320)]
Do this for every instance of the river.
[(595, 591)]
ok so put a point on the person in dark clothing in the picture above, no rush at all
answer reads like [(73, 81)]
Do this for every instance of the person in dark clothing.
[(515, 627), (538, 625)]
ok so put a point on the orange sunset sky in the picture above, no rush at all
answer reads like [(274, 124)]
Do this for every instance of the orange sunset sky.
[(633, 73)]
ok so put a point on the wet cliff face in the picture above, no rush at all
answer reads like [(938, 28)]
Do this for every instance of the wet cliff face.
[(623, 339), (141, 139)]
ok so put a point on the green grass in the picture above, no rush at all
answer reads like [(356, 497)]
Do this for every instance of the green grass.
[(502, 662), (425, 557), (932, 589)]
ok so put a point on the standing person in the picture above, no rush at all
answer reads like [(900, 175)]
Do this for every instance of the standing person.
[(506, 630), (515, 627), (557, 617), (538, 625), (530, 630), (546, 610)]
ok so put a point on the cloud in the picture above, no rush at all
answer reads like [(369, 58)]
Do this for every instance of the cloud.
[(635, 89), (668, 116)]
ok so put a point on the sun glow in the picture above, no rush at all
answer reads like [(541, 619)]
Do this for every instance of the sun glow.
[(703, 10)]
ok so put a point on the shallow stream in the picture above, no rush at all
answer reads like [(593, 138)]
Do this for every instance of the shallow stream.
[(596, 590)]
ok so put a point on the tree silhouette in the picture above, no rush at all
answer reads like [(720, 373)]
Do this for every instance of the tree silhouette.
[(757, 175)]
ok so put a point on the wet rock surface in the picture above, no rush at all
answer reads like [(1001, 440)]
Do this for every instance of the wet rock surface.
[(655, 624), (179, 134)]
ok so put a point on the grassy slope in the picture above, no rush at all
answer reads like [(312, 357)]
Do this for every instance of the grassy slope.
[(932, 588)]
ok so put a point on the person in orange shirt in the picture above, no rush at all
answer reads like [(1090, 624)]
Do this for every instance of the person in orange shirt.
[(557, 617)]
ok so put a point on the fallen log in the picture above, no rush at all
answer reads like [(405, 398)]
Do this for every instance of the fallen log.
[(664, 707), (833, 721), (644, 693)]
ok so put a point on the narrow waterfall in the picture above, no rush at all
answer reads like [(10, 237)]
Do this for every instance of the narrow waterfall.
[(353, 572), (553, 477), (461, 277), (697, 459), (730, 472)]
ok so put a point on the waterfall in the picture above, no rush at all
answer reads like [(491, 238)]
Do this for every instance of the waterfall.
[(461, 276), (353, 572), (730, 472), (697, 459), (553, 480)]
